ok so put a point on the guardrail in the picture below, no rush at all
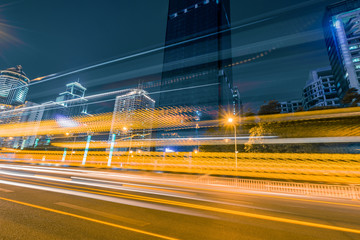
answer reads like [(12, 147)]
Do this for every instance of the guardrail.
[(308, 189)]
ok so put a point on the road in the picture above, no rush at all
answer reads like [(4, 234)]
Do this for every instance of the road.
[(43, 202)]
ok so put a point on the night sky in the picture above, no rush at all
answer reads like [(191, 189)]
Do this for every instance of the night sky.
[(47, 37)]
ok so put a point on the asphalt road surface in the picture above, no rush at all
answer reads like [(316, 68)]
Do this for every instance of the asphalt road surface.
[(39, 202)]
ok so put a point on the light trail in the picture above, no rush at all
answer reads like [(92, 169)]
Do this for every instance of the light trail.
[(160, 182), (154, 50), (233, 212), (106, 94)]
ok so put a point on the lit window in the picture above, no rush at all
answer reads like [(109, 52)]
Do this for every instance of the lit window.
[(356, 60), (353, 47)]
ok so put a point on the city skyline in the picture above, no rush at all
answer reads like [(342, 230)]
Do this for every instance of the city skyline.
[(309, 45), (180, 119)]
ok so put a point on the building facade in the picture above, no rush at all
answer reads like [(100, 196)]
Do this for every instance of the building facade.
[(14, 86), (74, 99), (27, 113), (341, 26), (320, 90), (30, 113), (291, 106), (198, 47), (70, 103), (132, 116)]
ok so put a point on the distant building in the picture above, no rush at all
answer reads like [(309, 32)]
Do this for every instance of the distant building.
[(197, 53), (14, 86), (70, 103), (320, 90), (341, 25), (290, 106), (73, 99), (127, 122), (237, 103), (29, 113)]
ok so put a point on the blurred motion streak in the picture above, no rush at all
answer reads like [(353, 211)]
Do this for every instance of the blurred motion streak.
[(338, 125)]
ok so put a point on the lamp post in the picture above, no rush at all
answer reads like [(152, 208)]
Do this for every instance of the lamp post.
[(231, 121)]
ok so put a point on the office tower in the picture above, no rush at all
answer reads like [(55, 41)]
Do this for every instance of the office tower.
[(132, 116), (70, 103), (14, 86), (342, 36), (197, 58), (73, 99), (320, 90)]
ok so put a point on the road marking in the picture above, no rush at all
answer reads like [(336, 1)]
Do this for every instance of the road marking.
[(5, 190), (220, 210), (89, 219), (104, 214)]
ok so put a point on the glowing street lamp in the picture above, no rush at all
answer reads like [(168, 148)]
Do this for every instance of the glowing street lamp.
[(231, 121)]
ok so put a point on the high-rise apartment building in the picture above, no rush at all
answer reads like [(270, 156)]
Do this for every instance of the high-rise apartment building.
[(341, 25), (198, 50), (320, 90), (14, 86)]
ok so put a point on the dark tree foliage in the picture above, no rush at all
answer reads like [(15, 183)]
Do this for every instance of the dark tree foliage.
[(249, 113), (351, 98), (272, 107)]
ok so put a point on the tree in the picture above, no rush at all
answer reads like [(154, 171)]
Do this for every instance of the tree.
[(351, 98), (272, 107)]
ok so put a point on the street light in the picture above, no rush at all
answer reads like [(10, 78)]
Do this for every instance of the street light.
[(231, 121)]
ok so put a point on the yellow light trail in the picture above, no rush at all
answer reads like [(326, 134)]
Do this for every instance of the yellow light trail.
[(207, 208), (333, 168)]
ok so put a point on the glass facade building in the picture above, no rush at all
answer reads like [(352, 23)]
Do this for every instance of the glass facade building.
[(198, 47), (341, 25), (14, 86)]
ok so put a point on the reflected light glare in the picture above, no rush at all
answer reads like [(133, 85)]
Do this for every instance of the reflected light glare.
[(65, 122)]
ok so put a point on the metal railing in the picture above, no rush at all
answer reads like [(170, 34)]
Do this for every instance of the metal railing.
[(308, 189)]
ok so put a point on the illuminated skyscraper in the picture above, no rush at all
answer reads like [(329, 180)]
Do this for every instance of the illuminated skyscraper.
[(197, 58), (70, 103), (13, 86), (342, 35), (73, 99)]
